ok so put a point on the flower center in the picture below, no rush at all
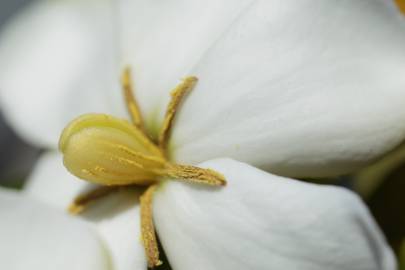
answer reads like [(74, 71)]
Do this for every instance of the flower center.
[(113, 152)]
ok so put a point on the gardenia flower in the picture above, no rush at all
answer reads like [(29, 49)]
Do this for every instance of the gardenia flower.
[(282, 86)]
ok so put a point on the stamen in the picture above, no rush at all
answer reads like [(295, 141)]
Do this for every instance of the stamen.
[(81, 202), (148, 229), (132, 105), (177, 95), (113, 152), (194, 174)]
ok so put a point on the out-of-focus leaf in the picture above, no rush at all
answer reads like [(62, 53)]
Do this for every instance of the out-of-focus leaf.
[(163, 258), (368, 180), (388, 206), (402, 256)]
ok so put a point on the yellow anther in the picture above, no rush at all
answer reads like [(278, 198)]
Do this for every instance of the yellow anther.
[(76, 209), (194, 174), (81, 202), (148, 229), (132, 105), (177, 94)]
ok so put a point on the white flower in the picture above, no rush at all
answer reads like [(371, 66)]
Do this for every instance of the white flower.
[(312, 88), (273, 223), (35, 236)]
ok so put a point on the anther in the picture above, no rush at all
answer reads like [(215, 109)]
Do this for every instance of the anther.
[(81, 202), (148, 229), (177, 96), (132, 106)]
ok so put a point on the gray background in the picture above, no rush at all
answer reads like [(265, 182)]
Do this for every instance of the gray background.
[(16, 156)]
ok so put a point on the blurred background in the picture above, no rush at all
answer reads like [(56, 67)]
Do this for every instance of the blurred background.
[(17, 157), (382, 185)]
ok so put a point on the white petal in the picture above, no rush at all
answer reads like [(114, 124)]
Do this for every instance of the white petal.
[(263, 221), (52, 184), (314, 88), (34, 236), (57, 60), (116, 217), (162, 40)]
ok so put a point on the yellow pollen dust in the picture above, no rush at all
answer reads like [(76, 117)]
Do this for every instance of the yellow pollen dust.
[(116, 153)]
